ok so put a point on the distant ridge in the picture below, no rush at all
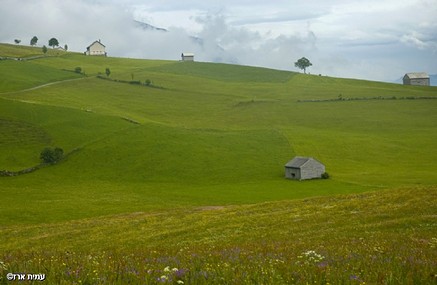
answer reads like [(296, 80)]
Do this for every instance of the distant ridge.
[(146, 26)]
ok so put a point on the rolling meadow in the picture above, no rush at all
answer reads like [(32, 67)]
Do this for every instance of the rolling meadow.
[(173, 173)]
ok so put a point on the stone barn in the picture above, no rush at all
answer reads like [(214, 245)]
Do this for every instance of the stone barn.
[(416, 78), (302, 168), (96, 48), (186, 56)]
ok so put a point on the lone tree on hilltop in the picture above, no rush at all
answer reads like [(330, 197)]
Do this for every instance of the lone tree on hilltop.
[(17, 41), (303, 63), (33, 41), (53, 42)]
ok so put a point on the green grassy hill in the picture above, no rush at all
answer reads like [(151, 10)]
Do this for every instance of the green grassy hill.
[(202, 135)]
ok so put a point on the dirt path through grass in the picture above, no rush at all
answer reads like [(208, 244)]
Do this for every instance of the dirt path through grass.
[(43, 85)]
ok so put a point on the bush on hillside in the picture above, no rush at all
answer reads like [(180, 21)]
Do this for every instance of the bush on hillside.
[(325, 175), (51, 155), (78, 69)]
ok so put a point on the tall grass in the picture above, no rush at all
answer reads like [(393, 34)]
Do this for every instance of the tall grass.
[(379, 238)]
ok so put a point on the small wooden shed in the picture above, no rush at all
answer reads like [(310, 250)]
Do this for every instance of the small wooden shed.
[(187, 56), (302, 168), (416, 78)]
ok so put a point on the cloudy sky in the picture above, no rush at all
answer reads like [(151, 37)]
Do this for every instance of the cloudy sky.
[(367, 39)]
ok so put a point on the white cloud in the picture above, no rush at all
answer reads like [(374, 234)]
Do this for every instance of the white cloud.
[(76, 23), (413, 39), (369, 39)]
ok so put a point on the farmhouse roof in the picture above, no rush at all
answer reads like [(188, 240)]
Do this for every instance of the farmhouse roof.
[(94, 43), (299, 161), (187, 54), (417, 75)]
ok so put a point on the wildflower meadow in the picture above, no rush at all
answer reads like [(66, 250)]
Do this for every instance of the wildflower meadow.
[(374, 238)]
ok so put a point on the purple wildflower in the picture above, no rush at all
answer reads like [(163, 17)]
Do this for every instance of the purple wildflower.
[(180, 273), (355, 277)]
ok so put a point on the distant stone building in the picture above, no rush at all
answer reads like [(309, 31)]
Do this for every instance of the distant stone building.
[(96, 48), (186, 56), (302, 168), (416, 78)]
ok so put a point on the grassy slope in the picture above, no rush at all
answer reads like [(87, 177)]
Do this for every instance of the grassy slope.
[(404, 209), (223, 142), (213, 135), (24, 51), (28, 74)]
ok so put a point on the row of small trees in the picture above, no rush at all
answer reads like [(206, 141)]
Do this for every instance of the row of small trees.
[(53, 42), (147, 82)]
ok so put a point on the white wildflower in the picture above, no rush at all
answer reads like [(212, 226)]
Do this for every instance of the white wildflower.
[(433, 243), (311, 257), (3, 265)]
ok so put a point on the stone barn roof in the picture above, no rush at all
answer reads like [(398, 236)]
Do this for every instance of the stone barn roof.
[(299, 161), (417, 75)]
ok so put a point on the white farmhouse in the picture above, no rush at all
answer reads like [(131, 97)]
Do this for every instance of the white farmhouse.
[(96, 48)]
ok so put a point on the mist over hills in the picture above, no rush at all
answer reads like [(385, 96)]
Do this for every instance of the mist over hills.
[(201, 47), (231, 33), (205, 50), (148, 27)]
